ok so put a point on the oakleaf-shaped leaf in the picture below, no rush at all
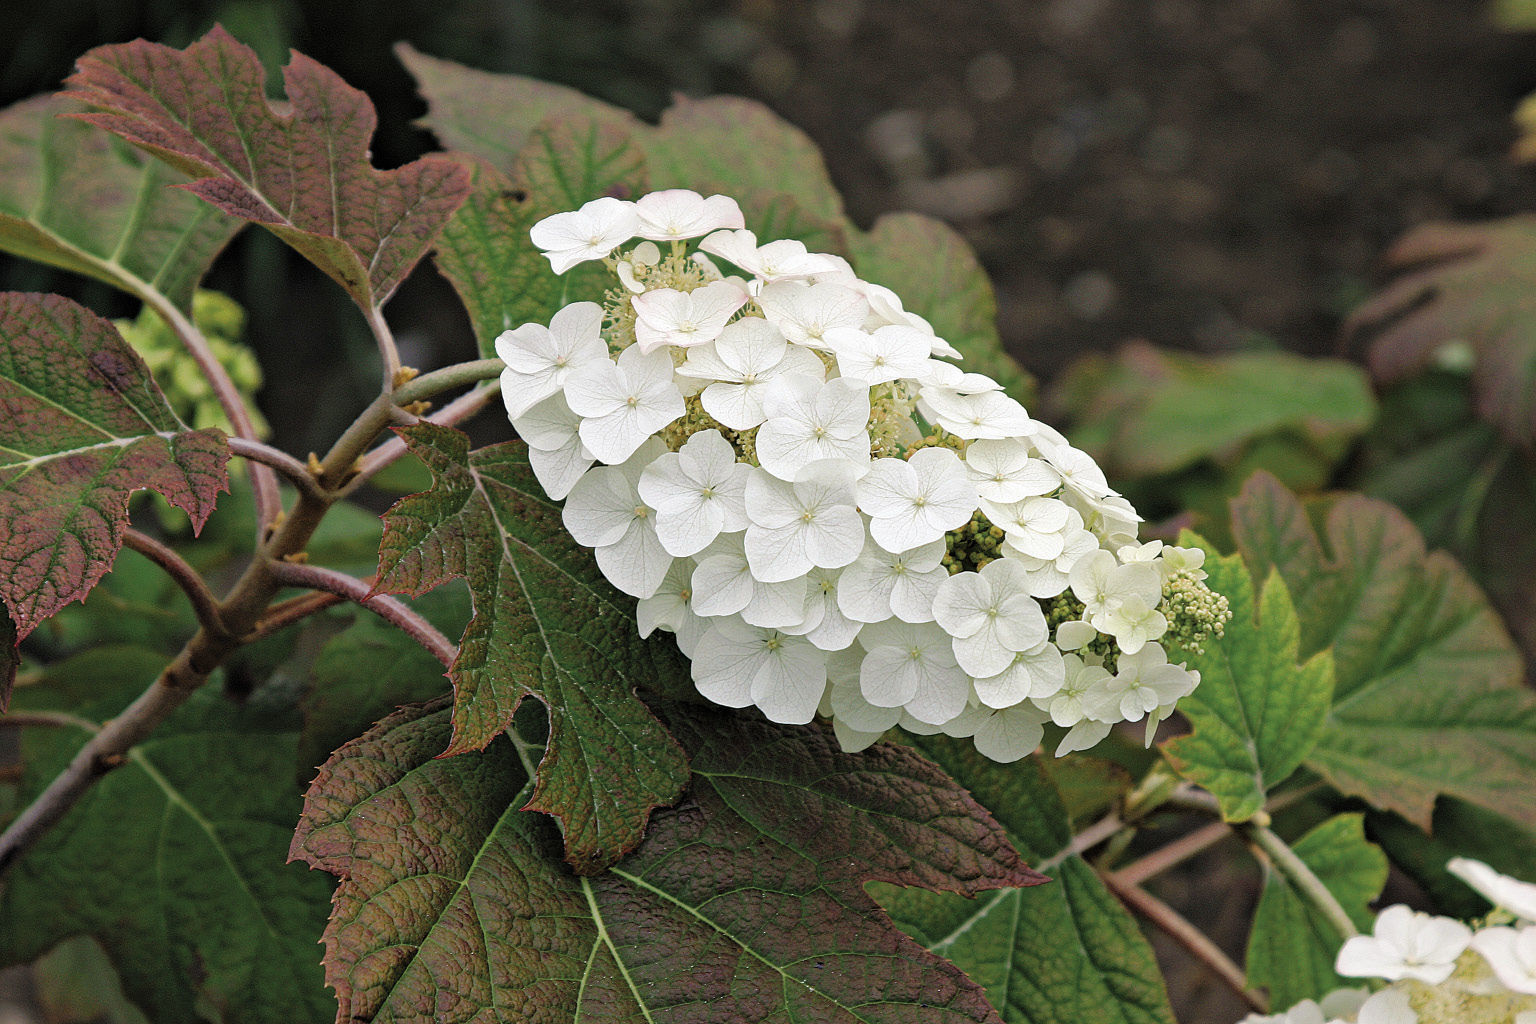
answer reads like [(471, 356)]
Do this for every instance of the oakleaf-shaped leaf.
[(745, 902), (304, 174), (1063, 953), (936, 274), (1468, 283), (82, 425), (1256, 713), (1292, 947), (174, 860), (547, 625), (75, 197), (1428, 697)]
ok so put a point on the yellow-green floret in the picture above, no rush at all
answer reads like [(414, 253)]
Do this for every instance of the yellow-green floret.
[(973, 545), (1194, 611)]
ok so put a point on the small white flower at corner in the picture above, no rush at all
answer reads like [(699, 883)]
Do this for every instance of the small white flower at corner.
[(1133, 622), (804, 313), (589, 233), (1003, 471), (1515, 896), (991, 616), (916, 501), (748, 362), (697, 492), (677, 213), (1405, 944), (1512, 955), (540, 359), (795, 526), (738, 665), (912, 666), (552, 433), (890, 353), (666, 316), (621, 404), (1102, 585), (774, 261), (1143, 683), (1390, 1006), (606, 513), (808, 421)]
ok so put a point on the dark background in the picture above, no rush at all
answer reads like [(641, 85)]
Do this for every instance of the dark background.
[(1209, 174)]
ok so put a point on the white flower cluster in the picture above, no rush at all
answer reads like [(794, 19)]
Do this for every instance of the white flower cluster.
[(791, 474), (1441, 971)]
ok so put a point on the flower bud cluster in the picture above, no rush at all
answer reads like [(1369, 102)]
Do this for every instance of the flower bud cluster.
[(793, 476), (1440, 970)]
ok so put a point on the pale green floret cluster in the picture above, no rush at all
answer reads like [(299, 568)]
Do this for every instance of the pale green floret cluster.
[(971, 547), (222, 322), (1194, 611)]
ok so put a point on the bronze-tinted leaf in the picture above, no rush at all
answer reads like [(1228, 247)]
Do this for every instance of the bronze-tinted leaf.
[(1463, 283), (82, 426), (745, 902), (303, 173)]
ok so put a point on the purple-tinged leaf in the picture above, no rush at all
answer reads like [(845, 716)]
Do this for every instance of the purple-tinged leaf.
[(546, 625), (304, 174), (745, 902), (1428, 697), (1468, 283), (82, 425), (75, 197)]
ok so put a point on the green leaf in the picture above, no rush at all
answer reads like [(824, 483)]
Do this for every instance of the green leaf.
[(76, 198), (484, 250), (1468, 285), (304, 174), (174, 861), (546, 625), (491, 116), (937, 276), (369, 669), (84, 427), (1428, 697), (1257, 713), (743, 903), (1292, 946), (1063, 953)]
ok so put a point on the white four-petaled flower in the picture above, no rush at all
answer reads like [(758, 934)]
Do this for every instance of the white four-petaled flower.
[(541, 359), (1405, 944), (666, 316), (677, 213), (697, 492), (623, 403), (916, 501), (589, 233)]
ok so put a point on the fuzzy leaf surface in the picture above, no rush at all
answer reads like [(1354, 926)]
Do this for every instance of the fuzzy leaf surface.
[(1062, 953), (484, 250), (744, 902), (82, 426), (546, 625), (174, 861), (1256, 713), (1292, 947), (75, 197), (1469, 283), (946, 286), (304, 174), (1428, 696)]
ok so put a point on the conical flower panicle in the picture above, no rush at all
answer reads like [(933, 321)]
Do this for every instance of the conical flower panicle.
[(795, 478)]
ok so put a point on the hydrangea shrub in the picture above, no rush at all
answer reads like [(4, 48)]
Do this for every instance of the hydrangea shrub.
[(783, 667)]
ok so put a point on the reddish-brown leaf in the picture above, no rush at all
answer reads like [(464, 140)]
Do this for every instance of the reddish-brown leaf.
[(303, 173), (1472, 283), (82, 425), (744, 903)]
